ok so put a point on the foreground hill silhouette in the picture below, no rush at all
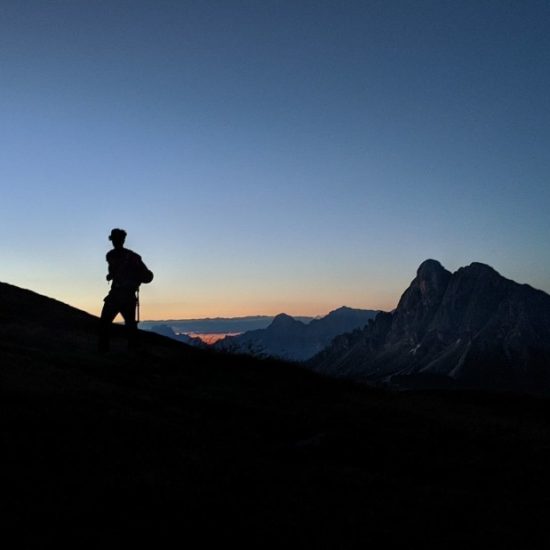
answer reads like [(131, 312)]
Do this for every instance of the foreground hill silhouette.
[(472, 328), (176, 445)]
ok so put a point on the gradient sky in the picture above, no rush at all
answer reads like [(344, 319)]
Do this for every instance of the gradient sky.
[(269, 156)]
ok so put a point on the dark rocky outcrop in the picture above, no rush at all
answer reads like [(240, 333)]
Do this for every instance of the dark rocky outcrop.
[(471, 328)]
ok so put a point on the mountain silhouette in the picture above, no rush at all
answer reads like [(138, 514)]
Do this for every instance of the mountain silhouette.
[(175, 444), (166, 330), (217, 325), (292, 340), (472, 328)]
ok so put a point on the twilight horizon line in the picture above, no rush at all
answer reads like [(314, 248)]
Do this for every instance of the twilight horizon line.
[(289, 309), (272, 156)]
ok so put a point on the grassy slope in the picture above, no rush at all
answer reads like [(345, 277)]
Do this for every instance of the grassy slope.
[(119, 449)]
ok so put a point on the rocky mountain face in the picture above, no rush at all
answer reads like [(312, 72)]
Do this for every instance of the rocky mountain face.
[(471, 328), (294, 340)]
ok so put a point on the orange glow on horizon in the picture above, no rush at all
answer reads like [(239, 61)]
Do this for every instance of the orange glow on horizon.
[(162, 311), (158, 312), (213, 337), (158, 304)]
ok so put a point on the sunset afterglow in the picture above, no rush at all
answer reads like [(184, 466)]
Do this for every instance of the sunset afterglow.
[(272, 156)]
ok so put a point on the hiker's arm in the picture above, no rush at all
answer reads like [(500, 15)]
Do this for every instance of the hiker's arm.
[(110, 274)]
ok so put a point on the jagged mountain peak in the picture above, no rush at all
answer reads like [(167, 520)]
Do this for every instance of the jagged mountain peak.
[(480, 266), (472, 327), (283, 319), (479, 269), (425, 291), (428, 267), (431, 275)]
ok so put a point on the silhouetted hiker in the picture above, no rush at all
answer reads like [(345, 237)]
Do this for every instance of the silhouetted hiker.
[(126, 271)]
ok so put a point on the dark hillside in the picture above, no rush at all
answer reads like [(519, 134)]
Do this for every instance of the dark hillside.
[(111, 451)]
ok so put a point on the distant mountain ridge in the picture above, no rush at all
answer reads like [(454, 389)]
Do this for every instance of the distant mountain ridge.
[(211, 325), (472, 327), (291, 339), (165, 330)]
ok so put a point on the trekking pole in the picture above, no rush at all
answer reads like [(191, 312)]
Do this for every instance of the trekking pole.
[(137, 305)]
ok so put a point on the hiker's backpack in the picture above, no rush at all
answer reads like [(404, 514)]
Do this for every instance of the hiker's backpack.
[(129, 269), (146, 275), (141, 272)]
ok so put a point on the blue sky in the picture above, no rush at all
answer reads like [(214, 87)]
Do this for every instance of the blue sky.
[(269, 156)]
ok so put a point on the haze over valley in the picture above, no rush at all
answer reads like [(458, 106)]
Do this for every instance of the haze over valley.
[(215, 328)]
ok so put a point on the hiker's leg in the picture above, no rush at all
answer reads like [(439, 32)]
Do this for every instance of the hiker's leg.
[(128, 312), (108, 314)]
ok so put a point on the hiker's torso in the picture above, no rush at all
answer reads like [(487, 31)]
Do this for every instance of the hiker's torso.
[(124, 265)]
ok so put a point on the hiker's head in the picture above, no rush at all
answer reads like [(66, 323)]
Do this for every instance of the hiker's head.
[(117, 237)]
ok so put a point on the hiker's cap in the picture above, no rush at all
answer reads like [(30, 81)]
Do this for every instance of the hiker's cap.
[(117, 234)]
